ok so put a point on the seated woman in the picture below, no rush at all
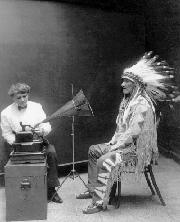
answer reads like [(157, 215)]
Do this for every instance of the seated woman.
[(29, 113)]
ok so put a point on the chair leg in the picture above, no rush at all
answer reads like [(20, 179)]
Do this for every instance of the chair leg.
[(149, 182), (119, 194), (113, 193), (155, 185)]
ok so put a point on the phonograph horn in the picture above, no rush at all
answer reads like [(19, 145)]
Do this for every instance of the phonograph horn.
[(78, 106)]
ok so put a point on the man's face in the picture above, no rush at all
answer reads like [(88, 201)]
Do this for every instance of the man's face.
[(128, 86), (21, 99)]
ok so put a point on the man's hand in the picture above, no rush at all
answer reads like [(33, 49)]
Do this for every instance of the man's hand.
[(108, 144), (115, 147)]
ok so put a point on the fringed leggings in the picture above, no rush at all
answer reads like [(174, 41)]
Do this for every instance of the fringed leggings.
[(107, 166)]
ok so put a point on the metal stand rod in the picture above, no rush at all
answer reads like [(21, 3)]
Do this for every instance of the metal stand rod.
[(72, 134)]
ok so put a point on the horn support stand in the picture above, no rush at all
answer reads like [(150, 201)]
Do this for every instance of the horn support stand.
[(73, 173)]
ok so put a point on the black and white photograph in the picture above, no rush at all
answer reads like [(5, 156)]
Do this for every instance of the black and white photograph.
[(90, 110)]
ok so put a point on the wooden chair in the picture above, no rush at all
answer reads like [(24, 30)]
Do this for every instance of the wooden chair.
[(117, 186)]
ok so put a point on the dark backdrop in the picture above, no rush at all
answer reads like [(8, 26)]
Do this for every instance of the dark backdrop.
[(162, 22), (52, 45)]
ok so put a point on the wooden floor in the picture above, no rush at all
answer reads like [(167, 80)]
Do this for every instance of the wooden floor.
[(137, 204)]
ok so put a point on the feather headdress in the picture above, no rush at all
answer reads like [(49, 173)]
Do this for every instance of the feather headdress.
[(155, 77)]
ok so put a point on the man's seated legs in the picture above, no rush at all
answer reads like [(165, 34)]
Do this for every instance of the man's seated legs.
[(94, 153), (103, 185), (52, 174)]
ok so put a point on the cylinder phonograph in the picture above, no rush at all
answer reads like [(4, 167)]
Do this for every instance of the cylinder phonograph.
[(28, 147)]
